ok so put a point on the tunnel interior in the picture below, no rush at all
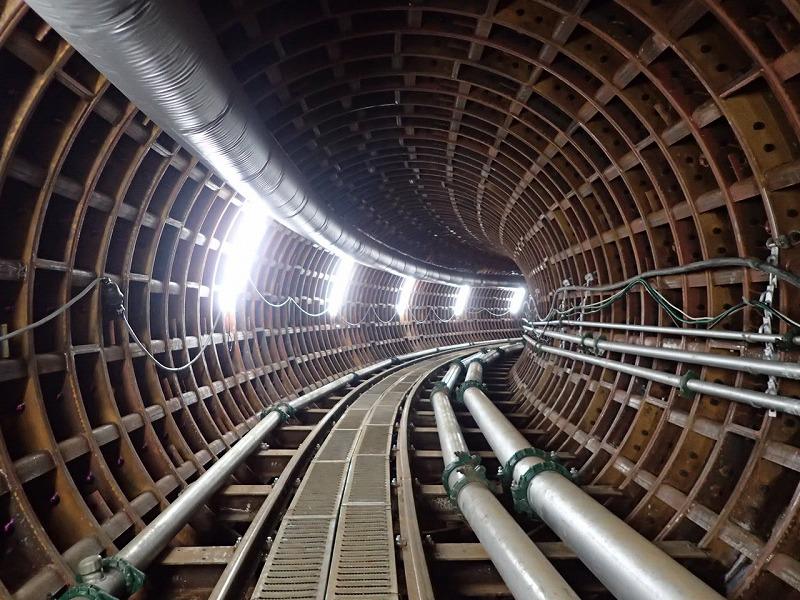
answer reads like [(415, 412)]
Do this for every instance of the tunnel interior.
[(555, 143)]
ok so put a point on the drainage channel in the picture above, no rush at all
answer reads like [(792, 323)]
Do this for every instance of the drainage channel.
[(336, 538)]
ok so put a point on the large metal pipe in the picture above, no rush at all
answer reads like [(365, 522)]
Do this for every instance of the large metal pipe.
[(630, 566), (163, 56), (714, 334), (152, 540), (763, 400), (522, 566), (755, 366)]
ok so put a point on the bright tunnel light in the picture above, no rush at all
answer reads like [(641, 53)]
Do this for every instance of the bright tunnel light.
[(517, 300), (241, 249), (404, 299), (462, 297), (339, 284)]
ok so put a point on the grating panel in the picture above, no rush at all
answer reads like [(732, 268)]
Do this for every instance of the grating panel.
[(369, 479), (365, 401), (363, 564), (352, 419), (320, 490), (298, 561), (375, 440), (338, 446), (383, 414)]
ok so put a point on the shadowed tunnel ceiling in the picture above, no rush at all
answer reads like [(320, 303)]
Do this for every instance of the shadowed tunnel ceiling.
[(558, 140)]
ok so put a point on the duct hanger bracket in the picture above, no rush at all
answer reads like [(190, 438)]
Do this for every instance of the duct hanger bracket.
[(469, 383)]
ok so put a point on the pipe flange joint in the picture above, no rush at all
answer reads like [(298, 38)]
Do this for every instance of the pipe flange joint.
[(285, 411), (519, 491), (470, 467), (476, 359), (133, 578), (598, 351), (440, 387), (456, 363), (584, 346), (787, 340), (84, 591), (684, 384), (469, 383), (507, 471)]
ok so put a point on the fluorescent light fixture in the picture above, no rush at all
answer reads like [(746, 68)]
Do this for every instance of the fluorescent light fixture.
[(404, 299), (241, 248), (517, 300), (339, 284), (461, 300)]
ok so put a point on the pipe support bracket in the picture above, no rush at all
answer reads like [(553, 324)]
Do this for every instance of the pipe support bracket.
[(519, 490), (472, 471), (285, 410), (133, 578), (469, 383)]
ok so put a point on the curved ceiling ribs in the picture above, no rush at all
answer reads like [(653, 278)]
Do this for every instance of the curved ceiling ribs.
[(94, 440)]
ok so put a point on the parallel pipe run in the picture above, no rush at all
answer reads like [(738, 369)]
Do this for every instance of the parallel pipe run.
[(525, 570), (756, 366), (631, 567), (689, 382), (714, 334), (152, 540)]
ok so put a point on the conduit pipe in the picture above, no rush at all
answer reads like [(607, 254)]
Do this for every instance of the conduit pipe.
[(163, 56), (715, 334), (756, 366), (686, 383), (630, 566), (152, 540), (522, 566)]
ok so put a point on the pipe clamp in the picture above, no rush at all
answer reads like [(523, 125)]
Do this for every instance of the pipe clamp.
[(469, 383), (133, 577), (441, 387), (285, 410), (684, 384), (519, 491), (469, 466), (507, 471)]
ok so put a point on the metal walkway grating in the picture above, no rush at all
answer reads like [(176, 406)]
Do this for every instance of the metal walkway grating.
[(336, 541)]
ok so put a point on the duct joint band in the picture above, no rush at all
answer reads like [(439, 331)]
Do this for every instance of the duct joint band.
[(469, 383), (285, 411), (519, 491), (133, 578), (507, 470), (684, 384), (470, 468)]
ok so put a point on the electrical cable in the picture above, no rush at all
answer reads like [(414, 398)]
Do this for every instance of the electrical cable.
[(53, 314), (158, 362)]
